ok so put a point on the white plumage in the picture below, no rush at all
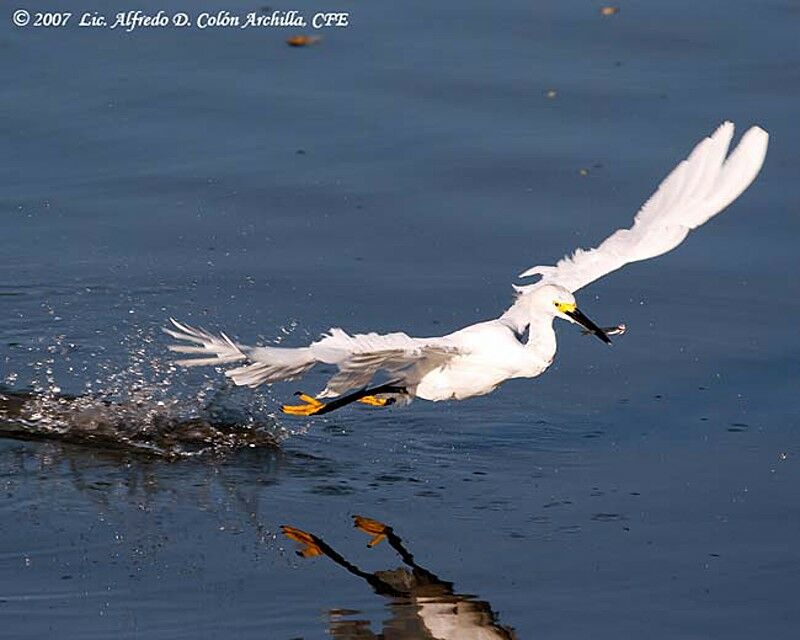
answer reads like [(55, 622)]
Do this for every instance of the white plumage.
[(359, 357), (474, 360), (696, 190)]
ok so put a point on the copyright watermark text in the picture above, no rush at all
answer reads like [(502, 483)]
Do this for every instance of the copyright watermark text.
[(128, 21)]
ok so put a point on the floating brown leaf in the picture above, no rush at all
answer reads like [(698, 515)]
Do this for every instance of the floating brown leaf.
[(302, 41)]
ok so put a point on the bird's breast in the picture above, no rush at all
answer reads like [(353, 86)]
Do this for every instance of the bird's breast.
[(456, 382), (468, 376)]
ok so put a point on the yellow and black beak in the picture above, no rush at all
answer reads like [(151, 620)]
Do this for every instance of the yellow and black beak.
[(576, 314)]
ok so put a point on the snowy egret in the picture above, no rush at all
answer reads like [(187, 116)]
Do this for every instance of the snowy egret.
[(520, 343)]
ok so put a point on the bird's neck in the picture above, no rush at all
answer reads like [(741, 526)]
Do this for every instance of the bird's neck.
[(524, 316), (541, 337)]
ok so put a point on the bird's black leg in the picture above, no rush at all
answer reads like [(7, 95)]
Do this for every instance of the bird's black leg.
[(314, 407), (312, 545)]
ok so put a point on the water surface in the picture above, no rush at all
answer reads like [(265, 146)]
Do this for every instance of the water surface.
[(396, 176)]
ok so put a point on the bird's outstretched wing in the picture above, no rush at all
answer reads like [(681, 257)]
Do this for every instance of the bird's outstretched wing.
[(405, 366), (696, 190), (359, 357)]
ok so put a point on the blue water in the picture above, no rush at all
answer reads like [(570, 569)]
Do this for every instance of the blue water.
[(396, 176)]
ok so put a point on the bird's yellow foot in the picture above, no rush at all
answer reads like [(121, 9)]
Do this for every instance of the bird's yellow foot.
[(375, 401), (376, 529), (308, 542), (311, 406)]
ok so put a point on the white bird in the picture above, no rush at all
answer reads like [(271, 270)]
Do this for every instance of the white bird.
[(476, 359)]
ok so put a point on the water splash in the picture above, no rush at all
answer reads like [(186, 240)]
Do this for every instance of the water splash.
[(168, 430), (139, 408)]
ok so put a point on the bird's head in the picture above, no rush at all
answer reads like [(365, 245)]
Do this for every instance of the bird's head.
[(559, 302)]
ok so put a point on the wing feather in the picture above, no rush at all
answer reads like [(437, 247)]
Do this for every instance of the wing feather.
[(359, 357), (696, 190), (263, 364), (407, 367)]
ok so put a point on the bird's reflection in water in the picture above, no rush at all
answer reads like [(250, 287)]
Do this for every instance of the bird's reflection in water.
[(422, 605)]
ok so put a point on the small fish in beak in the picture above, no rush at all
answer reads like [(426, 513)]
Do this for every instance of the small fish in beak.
[(591, 327), (616, 330)]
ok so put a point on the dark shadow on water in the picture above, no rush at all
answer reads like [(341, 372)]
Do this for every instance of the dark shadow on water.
[(143, 427), (421, 605)]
